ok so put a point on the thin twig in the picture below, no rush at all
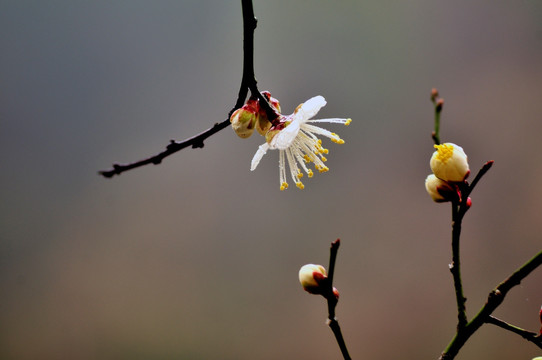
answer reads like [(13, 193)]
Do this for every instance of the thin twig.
[(533, 337), (171, 148), (248, 82), (455, 266), (494, 299), (332, 301), (459, 208), (478, 176), (438, 103)]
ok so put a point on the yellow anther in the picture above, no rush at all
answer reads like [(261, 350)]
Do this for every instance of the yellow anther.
[(348, 121), (299, 175), (340, 141), (326, 151), (283, 186), (300, 185), (310, 173), (444, 152)]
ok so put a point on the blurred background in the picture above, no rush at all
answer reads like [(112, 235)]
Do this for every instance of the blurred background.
[(197, 258)]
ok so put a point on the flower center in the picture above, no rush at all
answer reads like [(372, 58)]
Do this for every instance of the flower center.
[(444, 152)]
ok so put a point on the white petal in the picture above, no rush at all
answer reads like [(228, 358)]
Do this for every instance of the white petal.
[(311, 107), (262, 150), (286, 137)]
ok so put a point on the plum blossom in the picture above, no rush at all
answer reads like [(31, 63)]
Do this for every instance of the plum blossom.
[(297, 141)]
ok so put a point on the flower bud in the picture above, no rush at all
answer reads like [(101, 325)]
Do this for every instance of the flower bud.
[(439, 190), (275, 104), (439, 105), (336, 293), (449, 163), (282, 123), (243, 121), (263, 124), (434, 94), (311, 277)]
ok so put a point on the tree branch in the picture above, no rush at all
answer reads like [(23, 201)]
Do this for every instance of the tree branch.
[(438, 103), (459, 208), (332, 300), (455, 266), (494, 299), (248, 82), (533, 337)]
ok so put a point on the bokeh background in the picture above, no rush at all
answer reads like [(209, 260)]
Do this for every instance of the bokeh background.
[(197, 258)]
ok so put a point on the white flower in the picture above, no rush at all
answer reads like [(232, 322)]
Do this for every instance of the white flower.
[(449, 163), (298, 143)]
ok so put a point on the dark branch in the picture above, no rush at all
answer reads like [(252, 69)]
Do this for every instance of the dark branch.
[(171, 148), (495, 298), (248, 82), (332, 300), (478, 176), (533, 337), (459, 207), (438, 103)]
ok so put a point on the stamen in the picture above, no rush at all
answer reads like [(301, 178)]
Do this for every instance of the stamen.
[(444, 152)]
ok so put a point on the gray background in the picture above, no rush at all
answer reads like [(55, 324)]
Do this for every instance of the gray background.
[(197, 258)]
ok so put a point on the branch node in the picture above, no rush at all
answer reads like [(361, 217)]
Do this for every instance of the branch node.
[(198, 144)]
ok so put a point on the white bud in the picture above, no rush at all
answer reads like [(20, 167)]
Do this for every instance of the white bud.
[(439, 190), (449, 163), (310, 276)]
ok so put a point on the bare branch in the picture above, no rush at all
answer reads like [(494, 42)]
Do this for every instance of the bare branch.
[(495, 298), (248, 82)]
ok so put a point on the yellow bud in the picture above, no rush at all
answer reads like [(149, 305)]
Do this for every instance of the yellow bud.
[(270, 135), (262, 125), (449, 163), (243, 121)]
